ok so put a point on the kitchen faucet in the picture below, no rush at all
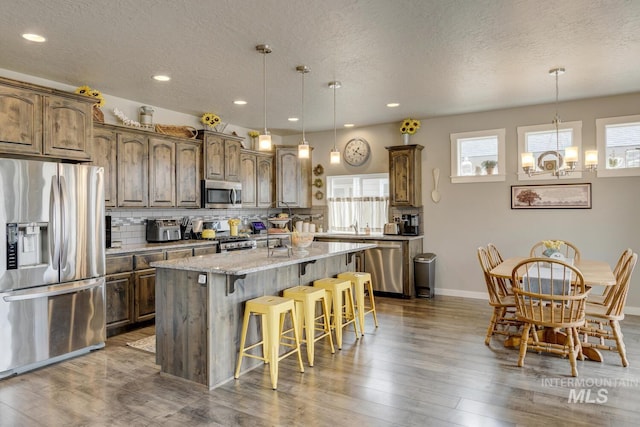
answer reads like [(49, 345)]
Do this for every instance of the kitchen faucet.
[(355, 227)]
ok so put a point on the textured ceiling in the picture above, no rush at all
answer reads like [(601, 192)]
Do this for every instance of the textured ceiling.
[(434, 57)]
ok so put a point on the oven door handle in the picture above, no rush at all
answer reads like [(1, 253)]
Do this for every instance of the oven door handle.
[(50, 291)]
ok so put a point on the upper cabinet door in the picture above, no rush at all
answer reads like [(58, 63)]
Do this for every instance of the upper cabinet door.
[(103, 153), (214, 157), (405, 175), (132, 170), (232, 160), (188, 174), (68, 126), (162, 175), (264, 172), (20, 121), (249, 180)]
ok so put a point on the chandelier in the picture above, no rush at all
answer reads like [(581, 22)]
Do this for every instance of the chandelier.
[(559, 165)]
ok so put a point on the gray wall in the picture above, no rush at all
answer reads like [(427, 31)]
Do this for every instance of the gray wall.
[(471, 215)]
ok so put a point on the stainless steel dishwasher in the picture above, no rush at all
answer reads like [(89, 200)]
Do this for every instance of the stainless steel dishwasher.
[(384, 263)]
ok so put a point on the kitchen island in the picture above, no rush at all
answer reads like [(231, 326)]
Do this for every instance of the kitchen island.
[(200, 303)]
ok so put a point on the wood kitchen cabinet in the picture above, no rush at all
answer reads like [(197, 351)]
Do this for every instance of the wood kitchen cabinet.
[(257, 179), (293, 178), (133, 175), (44, 122), (221, 156), (145, 295), (119, 299), (405, 175), (162, 176), (188, 173), (67, 129), (103, 153)]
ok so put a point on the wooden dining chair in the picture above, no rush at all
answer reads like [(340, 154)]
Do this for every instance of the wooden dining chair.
[(568, 249), (550, 293), (608, 293), (495, 258), (603, 321), (503, 320)]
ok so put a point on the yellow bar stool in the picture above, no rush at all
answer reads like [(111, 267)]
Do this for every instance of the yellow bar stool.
[(340, 297), (272, 310), (362, 282), (307, 299)]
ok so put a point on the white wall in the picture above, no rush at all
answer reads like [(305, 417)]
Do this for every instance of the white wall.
[(472, 215)]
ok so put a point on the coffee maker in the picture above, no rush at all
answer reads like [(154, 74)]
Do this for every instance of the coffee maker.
[(410, 225)]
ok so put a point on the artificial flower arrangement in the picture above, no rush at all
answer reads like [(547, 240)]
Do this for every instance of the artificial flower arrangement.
[(94, 93), (553, 244), (210, 119), (410, 126), (253, 133)]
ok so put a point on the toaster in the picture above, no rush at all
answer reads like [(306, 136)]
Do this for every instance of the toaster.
[(392, 228), (163, 230)]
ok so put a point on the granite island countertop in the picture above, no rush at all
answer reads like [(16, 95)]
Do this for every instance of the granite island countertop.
[(255, 260)]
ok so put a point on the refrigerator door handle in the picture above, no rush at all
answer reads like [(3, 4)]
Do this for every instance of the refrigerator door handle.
[(63, 223), (54, 232), (49, 291)]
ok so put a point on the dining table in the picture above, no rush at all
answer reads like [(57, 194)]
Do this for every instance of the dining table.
[(595, 273)]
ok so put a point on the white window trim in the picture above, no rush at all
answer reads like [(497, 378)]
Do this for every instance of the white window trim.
[(576, 128), (601, 145), (455, 152)]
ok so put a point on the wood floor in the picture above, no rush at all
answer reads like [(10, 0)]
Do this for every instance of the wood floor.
[(426, 365)]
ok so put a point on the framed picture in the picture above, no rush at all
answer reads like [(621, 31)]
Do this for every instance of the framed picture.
[(556, 196)]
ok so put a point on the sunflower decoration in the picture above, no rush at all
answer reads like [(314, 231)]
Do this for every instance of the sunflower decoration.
[(254, 133), (92, 93), (410, 126), (210, 119)]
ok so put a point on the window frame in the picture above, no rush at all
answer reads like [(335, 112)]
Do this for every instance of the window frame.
[(576, 141), (455, 138), (601, 145)]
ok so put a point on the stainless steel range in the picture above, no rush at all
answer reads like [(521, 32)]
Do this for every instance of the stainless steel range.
[(235, 243)]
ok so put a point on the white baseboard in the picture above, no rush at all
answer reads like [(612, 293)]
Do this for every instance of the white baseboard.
[(631, 311)]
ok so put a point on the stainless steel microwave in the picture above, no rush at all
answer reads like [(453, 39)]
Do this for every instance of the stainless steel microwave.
[(220, 194)]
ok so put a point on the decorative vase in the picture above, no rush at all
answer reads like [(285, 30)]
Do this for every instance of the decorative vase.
[(405, 138), (254, 143), (233, 230), (98, 115)]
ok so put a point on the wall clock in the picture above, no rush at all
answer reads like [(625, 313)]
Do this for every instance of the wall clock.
[(357, 152)]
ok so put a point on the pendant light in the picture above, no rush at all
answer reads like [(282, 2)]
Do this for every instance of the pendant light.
[(264, 140), (335, 153), (303, 147)]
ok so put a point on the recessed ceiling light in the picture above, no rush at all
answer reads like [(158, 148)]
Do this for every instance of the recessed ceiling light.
[(240, 102), (161, 78), (349, 125), (293, 119), (34, 38), (393, 104)]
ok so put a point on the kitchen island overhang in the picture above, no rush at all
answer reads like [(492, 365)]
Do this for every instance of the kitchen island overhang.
[(200, 303)]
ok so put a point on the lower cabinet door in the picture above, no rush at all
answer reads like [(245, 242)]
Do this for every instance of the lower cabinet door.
[(119, 299), (145, 284)]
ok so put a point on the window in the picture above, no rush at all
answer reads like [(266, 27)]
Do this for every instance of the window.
[(361, 199), (618, 141), (478, 156), (542, 142)]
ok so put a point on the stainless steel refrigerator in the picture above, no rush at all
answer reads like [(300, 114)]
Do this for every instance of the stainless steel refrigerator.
[(52, 265)]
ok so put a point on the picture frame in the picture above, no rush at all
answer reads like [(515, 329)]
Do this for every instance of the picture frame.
[(551, 196)]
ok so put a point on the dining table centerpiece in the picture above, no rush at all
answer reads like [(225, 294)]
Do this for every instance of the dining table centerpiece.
[(552, 247), (408, 127)]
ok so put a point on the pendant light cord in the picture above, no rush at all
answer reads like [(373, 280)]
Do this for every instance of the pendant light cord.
[(335, 137), (304, 140), (264, 85)]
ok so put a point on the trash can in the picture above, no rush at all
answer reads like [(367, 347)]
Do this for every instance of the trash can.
[(424, 273)]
